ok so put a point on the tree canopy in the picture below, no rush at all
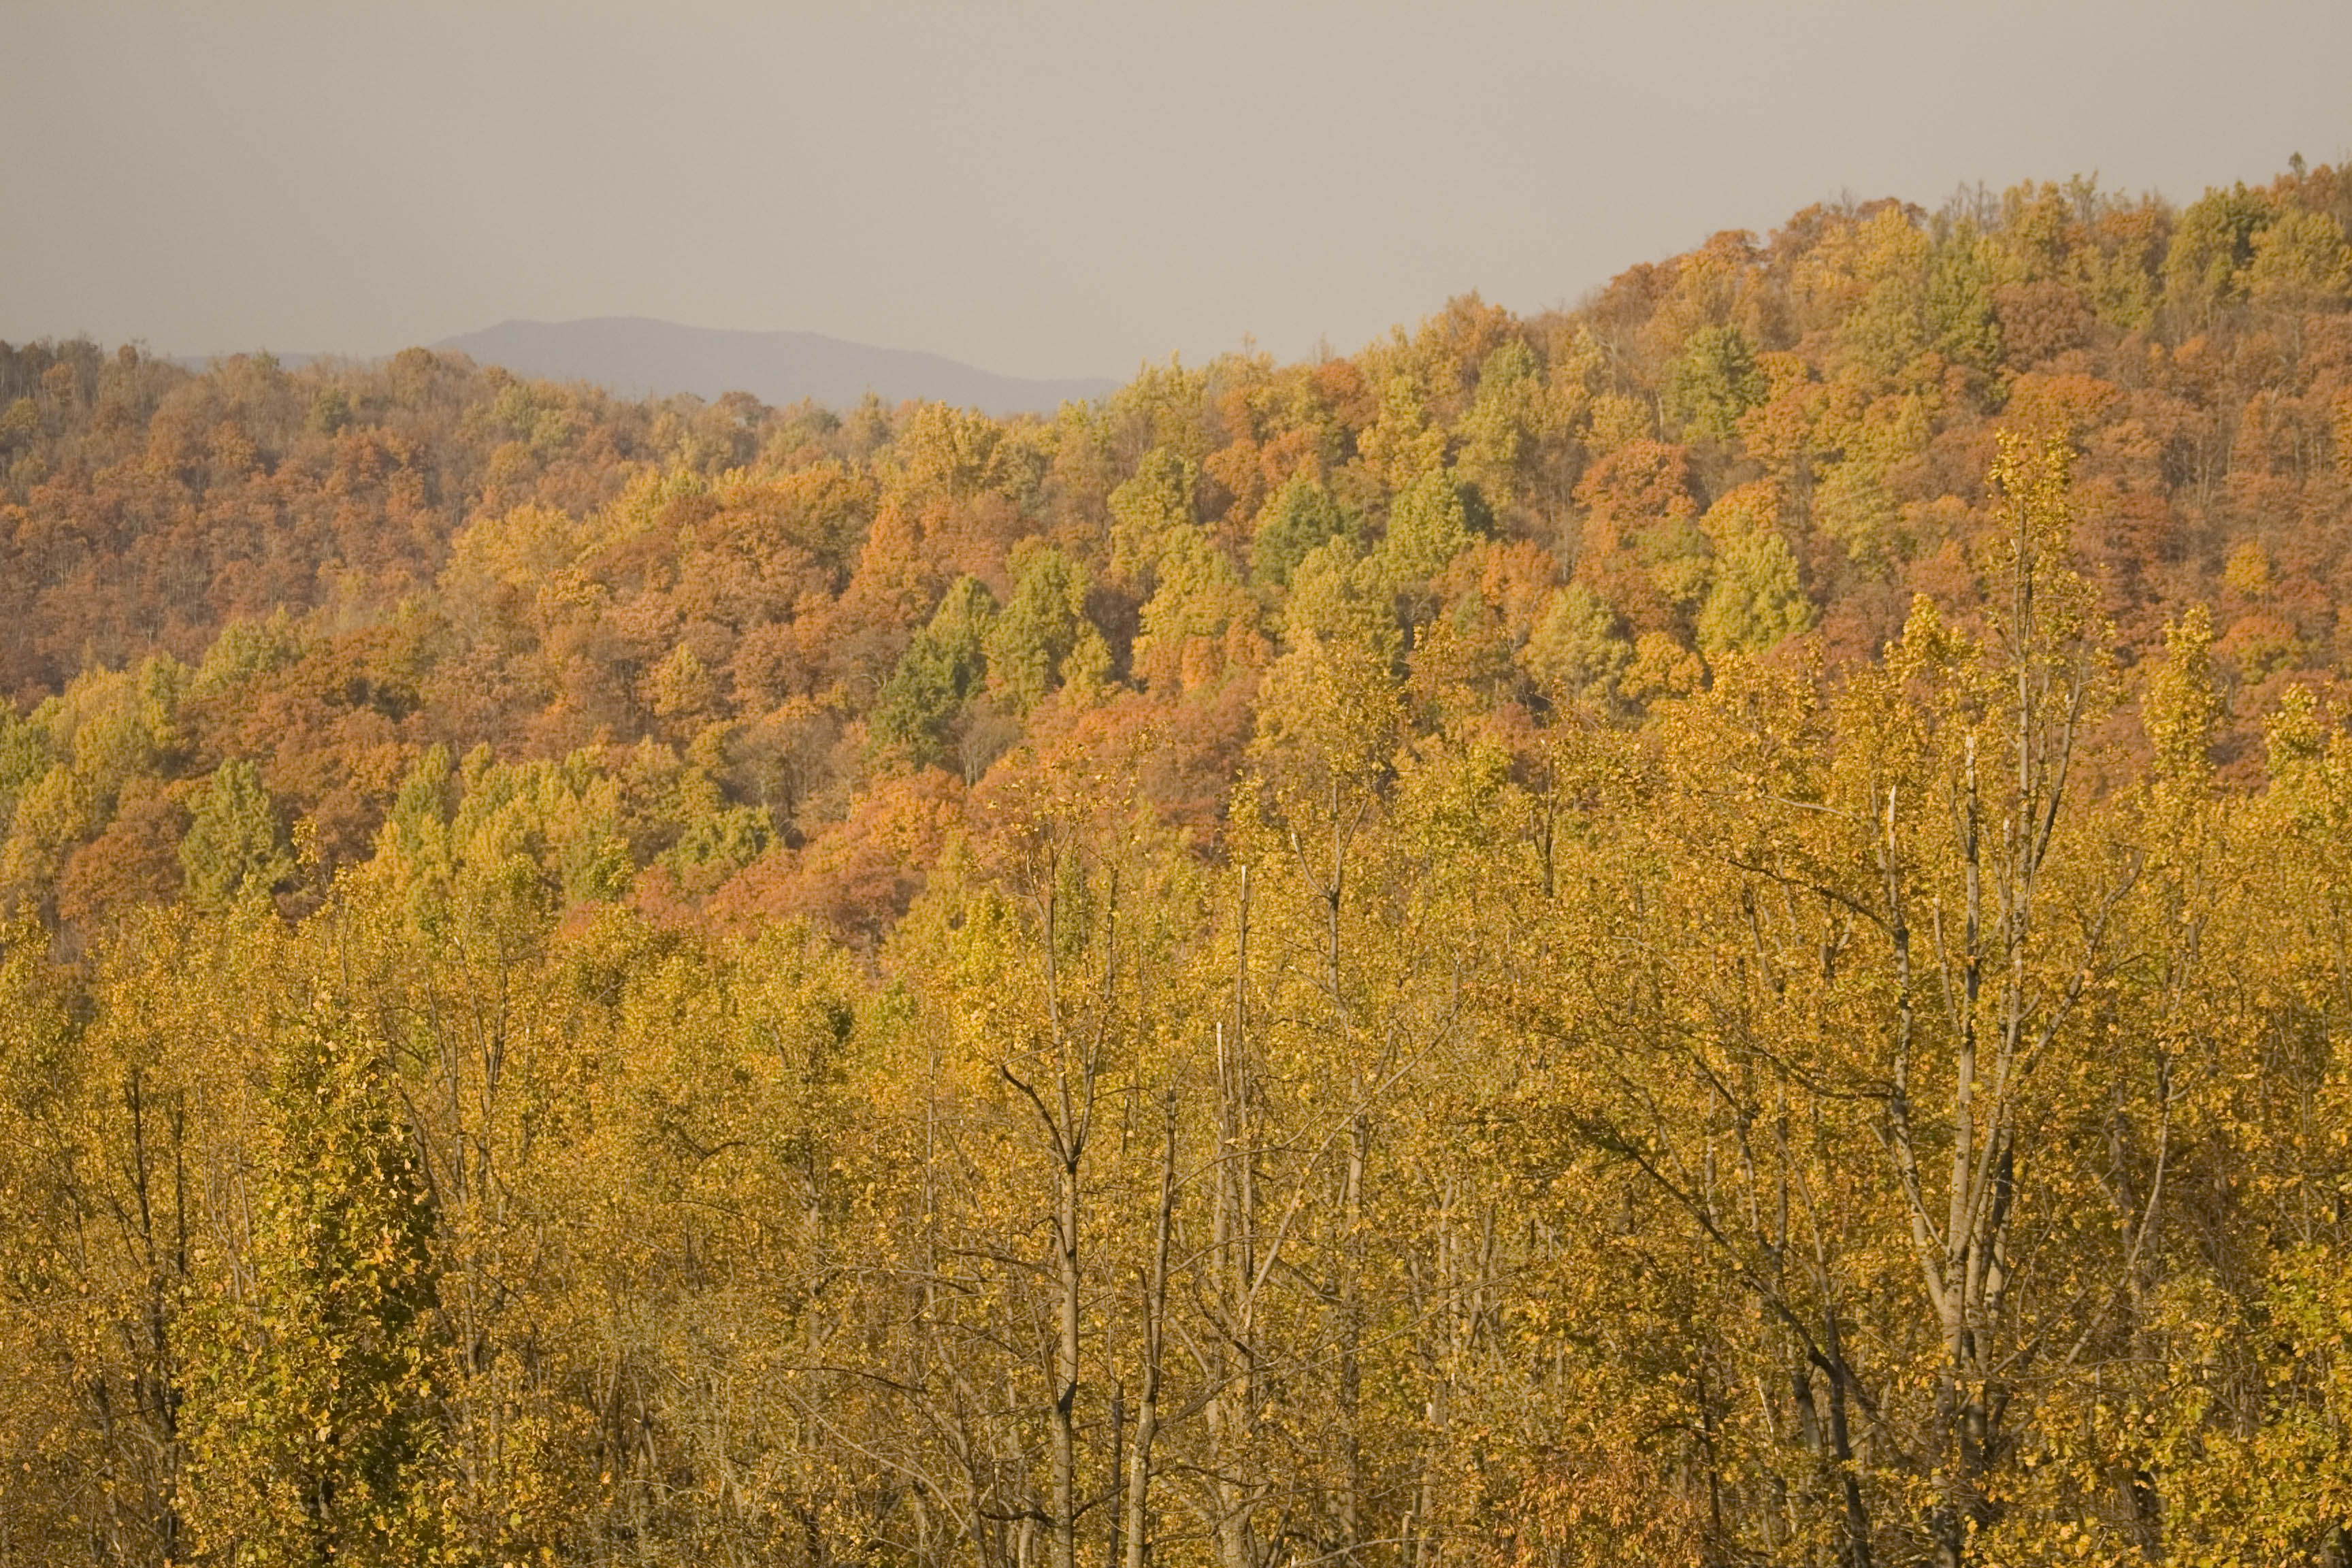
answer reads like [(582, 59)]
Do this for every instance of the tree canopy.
[(1701, 929)]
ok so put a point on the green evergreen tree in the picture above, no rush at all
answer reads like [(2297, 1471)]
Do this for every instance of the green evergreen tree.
[(1576, 649), (2213, 247), (1294, 519), (1042, 623), (1155, 501), (941, 672), (311, 1392), (1712, 382), (1960, 280), (25, 756), (1756, 600), (1434, 521), (2300, 262), (1504, 421), (236, 846)]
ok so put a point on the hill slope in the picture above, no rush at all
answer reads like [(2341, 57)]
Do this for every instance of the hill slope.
[(635, 354), (1741, 886)]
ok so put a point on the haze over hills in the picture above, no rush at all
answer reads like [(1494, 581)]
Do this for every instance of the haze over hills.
[(638, 356)]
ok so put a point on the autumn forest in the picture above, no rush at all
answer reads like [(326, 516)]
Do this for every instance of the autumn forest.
[(1711, 928)]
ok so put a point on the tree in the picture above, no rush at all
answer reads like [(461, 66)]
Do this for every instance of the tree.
[(1962, 274), (1296, 520), (942, 671), (1153, 503), (1712, 382), (2212, 246), (1888, 327), (1506, 423), (236, 846), (1756, 600), (1041, 627), (1402, 445), (1576, 650), (1430, 523), (1201, 624), (312, 1390), (2300, 261)]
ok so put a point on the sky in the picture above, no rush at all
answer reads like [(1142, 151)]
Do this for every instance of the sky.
[(1045, 189)]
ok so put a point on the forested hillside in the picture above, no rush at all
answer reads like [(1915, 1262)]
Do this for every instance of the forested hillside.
[(1706, 929)]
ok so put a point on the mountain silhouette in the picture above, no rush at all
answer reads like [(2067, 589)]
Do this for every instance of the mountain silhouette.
[(636, 356)]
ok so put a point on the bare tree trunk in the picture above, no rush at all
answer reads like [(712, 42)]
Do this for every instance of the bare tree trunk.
[(1065, 1371), (1155, 1313), (1857, 1519), (1351, 1437), (1068, 1125), (1232, 1408), (1351, 1375)]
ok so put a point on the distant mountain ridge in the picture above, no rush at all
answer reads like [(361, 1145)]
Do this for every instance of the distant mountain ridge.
[(635, 356)]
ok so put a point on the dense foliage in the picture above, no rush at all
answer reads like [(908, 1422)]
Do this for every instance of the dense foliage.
[(1706, 929)]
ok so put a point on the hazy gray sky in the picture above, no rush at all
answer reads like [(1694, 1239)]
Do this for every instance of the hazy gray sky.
[(1044, 190)]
